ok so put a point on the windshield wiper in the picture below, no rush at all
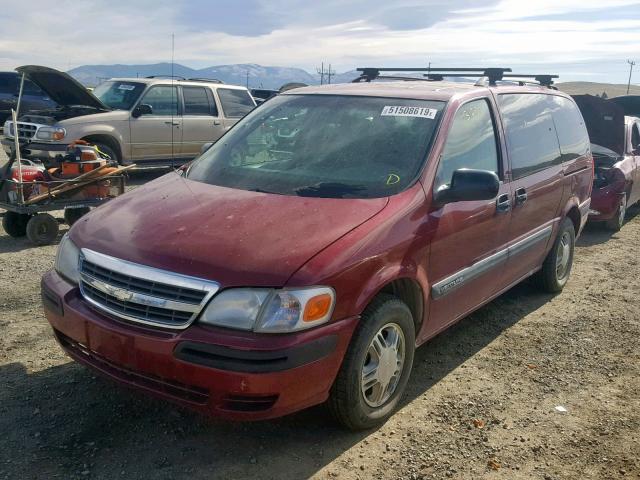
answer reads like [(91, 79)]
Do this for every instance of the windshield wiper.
[(329, 190), (260, 190)]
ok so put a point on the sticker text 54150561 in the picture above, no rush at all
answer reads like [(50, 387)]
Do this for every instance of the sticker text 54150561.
[(400, 111)]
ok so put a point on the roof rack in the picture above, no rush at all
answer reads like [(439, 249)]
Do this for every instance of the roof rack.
[(487, 74), (166, 76), (209, 80)]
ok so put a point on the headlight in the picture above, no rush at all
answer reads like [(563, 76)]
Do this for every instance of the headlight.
[(67, 260), (270, 311), (51, 133)]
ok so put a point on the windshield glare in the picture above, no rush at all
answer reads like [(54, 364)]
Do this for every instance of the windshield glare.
[(324, 146), (119, 95)]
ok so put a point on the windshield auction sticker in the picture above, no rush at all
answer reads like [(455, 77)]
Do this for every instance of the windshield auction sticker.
[(125, 86), (398, 111)]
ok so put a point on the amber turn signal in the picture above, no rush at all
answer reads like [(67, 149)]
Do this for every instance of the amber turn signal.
[(317, 307)]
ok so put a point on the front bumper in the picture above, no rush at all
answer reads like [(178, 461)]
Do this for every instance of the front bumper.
[(45, 152), (604, 204), (231, 374)]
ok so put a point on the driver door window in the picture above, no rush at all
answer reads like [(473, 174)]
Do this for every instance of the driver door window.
[(471, 143)]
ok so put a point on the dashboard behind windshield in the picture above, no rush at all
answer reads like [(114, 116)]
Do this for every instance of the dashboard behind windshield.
[(324, 146), (119, 95)]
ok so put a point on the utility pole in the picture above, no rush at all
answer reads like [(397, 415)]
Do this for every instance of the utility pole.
[(631, 64), (330, 73), (320, 72), (247, 79)]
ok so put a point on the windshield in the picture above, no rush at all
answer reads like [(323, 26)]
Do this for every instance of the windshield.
[(324, 146), (119, 95)]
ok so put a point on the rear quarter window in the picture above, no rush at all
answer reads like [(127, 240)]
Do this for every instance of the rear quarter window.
[(572, 132), (532, 140), (235, 103)]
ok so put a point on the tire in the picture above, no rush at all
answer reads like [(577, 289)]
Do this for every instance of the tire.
[(72, 215), (616, 223), (109, 151), (352, 404), (15, 224), (557, 266), (42, 229)]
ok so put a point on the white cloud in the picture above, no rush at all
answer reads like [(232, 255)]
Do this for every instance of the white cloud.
[(96, 32)]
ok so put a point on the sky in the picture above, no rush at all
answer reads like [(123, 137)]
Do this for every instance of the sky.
[(578, 39)]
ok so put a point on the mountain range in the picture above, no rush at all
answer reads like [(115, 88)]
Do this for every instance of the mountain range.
[(257, 76)]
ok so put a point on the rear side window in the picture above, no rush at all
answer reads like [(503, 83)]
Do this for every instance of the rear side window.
[(196, 101), (531, 135), (471, 142), (235, 103), (572, 132)]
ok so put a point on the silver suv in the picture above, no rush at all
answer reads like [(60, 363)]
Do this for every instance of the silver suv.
[(147, 121)]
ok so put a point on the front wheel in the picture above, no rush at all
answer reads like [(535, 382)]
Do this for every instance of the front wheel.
[(557, 266), (376, 367), (615, 224)]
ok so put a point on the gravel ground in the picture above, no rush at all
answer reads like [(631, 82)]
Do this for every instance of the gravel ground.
[(482, 400)]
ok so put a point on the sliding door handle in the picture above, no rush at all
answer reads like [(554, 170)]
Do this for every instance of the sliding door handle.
[(521, 196), (503, 204)]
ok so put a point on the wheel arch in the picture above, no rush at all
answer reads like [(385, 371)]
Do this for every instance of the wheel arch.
[(107, 139), (410, 289)]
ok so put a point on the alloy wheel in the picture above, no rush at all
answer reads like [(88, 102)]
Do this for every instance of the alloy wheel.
[(383, 365)]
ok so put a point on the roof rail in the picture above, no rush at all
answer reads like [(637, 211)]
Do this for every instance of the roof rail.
[(209, 80), (166, 76), (492, 73)]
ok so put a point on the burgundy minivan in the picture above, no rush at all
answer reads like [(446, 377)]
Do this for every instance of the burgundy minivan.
[(305, 255)]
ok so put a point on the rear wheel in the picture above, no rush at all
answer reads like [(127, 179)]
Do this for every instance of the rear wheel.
[(15, 224), (376, 367), (557, 266), (72, 215), (42, 229), (616, 223)]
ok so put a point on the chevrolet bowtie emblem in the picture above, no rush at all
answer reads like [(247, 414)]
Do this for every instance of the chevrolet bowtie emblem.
[(120, 293)]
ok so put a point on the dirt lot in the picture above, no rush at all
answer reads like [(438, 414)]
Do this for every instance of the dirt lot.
[(481, 401)]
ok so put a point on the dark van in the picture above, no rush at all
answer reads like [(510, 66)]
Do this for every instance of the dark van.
[(334, 229)]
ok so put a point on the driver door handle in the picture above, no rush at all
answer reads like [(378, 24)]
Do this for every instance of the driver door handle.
[(521, 196), (175, 124), (503, 204)]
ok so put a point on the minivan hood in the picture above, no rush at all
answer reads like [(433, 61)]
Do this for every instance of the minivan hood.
[(604, 120), (61, 87), (234, 237)]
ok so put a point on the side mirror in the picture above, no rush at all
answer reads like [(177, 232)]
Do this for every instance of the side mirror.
[(205, 147), (142, 109), (468, 185)]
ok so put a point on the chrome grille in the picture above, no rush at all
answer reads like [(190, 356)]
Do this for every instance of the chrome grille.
[(26, 131), (142, 294)]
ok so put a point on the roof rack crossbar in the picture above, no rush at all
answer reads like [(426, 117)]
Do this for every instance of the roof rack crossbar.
[(493, 73)]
